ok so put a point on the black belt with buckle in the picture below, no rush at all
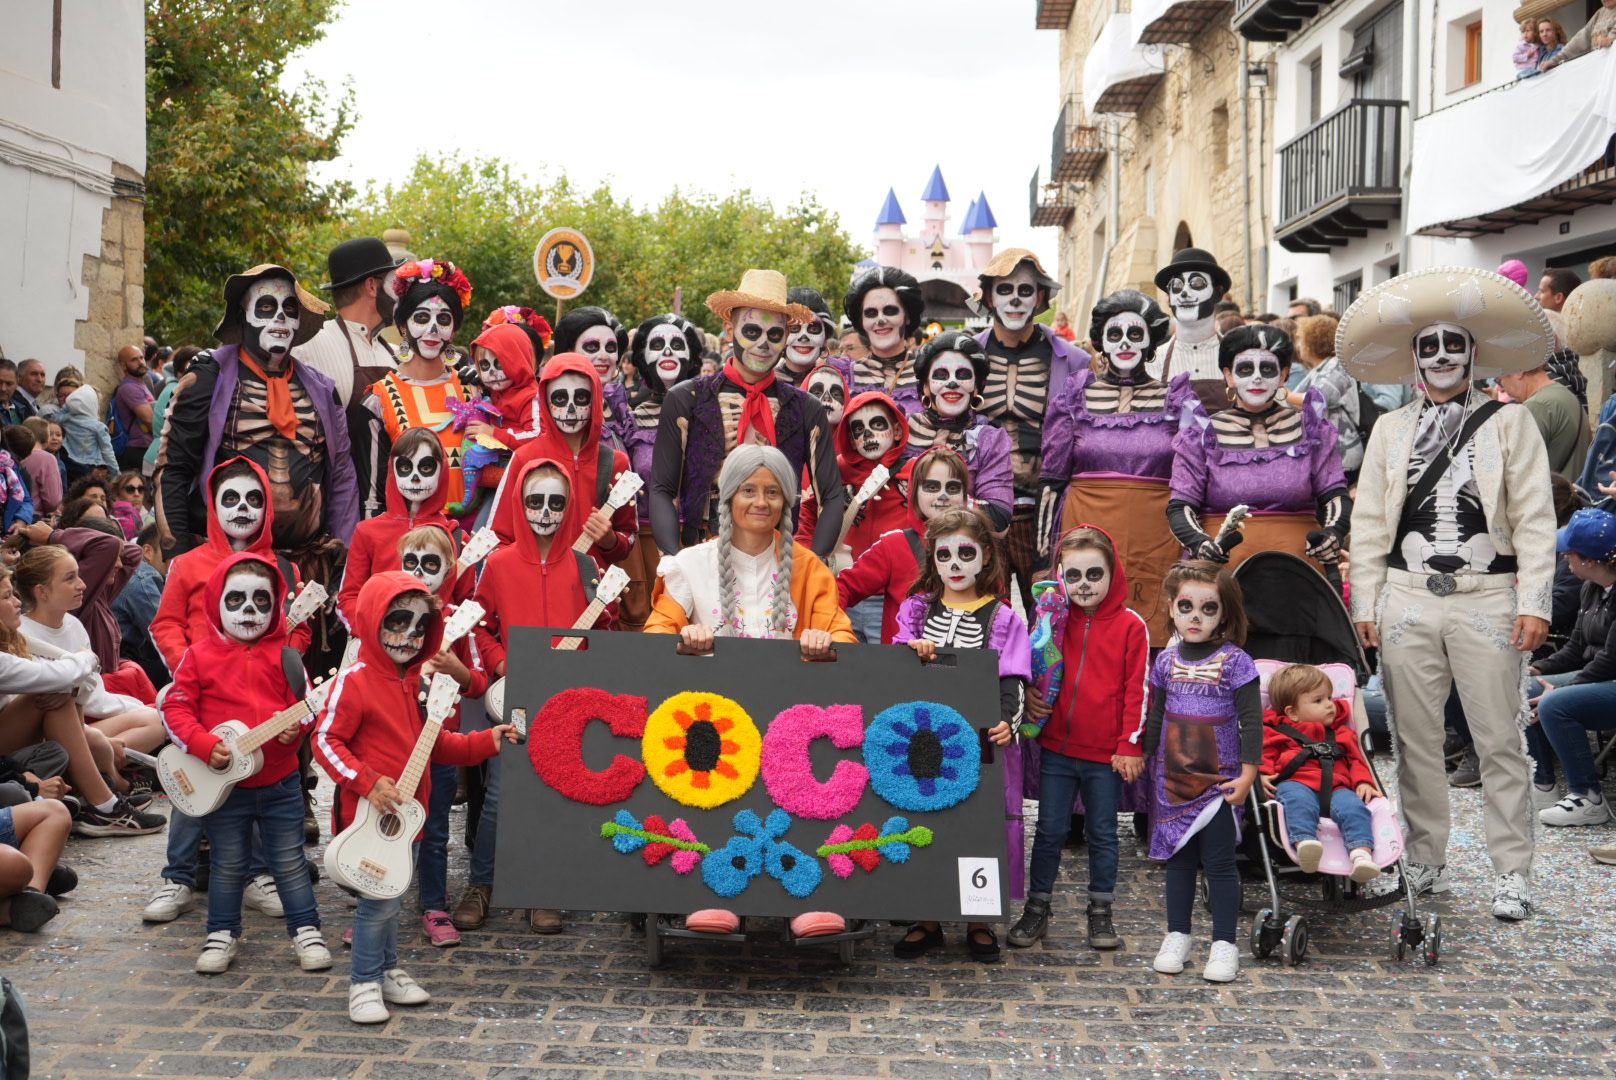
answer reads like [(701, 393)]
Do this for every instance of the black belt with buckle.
[(1442, 584)]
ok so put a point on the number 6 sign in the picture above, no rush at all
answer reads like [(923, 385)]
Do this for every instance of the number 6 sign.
[(979, 887)]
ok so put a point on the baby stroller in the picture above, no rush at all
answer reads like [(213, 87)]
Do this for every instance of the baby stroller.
[(1296, 616)]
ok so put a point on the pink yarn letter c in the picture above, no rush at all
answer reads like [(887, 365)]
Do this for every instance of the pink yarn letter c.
[(788, 772)]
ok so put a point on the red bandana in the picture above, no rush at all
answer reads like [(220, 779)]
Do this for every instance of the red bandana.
[(755, 414)]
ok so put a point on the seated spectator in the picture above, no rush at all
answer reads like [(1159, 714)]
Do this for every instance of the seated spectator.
[(40, 468), (31, 840), (129, 506), (18, 504), (84, 435), (1527, 51), (136, 606), (1552, 41)]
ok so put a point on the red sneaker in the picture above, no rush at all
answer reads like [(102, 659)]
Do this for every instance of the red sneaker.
[(440, 931)]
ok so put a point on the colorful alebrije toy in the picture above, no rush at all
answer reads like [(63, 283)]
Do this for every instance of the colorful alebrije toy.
[(1048, 598), (866, 846), (759, 849), (922, 755), (441, 271), (701, 749), (655, 840), (786, 770)]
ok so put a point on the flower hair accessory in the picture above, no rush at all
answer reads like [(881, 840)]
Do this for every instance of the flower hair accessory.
[(436, 272), (521, 316)]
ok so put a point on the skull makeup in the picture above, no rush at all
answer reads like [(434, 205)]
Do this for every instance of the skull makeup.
[(760, 338), (599, 346), (1444, 352), (1086, 577), (238, 503), (431, 327), (571, 398), (937, 491), (426, 563), (871, 431), (1014, 297), (247, 604), (490, 371), (1257, 377), (827, 387), (950, 384), (544, 501), (1126, 340), (418, 475), (807, 343), (882, 320), (958, 559), (1197, 611), (272, 314), (404, 627), (667, 351), (1191, 296)]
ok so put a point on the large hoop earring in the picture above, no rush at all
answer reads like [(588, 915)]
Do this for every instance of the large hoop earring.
[(977, 401)]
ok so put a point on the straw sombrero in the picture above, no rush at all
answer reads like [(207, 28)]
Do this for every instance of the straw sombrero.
[(1003, 265), (761, 289), (1375, 340), (228, 331), (1590, 317)]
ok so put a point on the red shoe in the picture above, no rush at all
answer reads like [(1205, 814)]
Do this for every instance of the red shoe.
[(713, 921), (440, 931)]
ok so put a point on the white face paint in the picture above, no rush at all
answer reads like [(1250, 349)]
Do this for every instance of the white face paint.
[(882, 318), (806, 344), (272, 312), (490, 370), (544, 502), (1015, 296), (1085, 577), (1197, 611), (238, 503), (959, 560), (666, 352), (431, 327), (1124, 341), (827, 387), (1190, 295), (599, 346), (937, 491), (950, 384), (570, 398), (246, 605), (1444, 352), (871, 430), (404, 626), (427, 564), (1257, 377), (418, 475), (759, 338)]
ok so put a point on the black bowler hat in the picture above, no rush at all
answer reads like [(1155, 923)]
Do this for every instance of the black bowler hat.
[(356, 260), (1188, 259)]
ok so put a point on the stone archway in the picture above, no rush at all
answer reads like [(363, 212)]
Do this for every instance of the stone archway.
[(1182, 238)]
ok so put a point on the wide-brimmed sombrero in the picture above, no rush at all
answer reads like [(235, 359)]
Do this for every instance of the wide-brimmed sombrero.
[(761, 289), (1375, 340), (1003, 265), (1590, 317), (228, 331)]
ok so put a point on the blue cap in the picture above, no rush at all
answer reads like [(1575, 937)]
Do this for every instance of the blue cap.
[(1590, 533)]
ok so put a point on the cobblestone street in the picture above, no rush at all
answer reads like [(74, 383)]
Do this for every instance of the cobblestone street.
[(108, 995)]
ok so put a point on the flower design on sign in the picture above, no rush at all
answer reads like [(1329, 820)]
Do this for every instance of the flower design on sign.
[(702, 749), (655, 840), (922, 756), (760, 848), (866, 846)]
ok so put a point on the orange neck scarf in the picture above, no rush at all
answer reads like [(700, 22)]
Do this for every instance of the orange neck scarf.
[(281, 412)]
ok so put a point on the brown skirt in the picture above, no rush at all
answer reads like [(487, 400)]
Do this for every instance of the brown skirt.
[(1134, 512), (635, 605), (1268, 532)]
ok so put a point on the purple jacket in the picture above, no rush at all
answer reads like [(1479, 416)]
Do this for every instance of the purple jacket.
[(1009, 635), (1068, 360)]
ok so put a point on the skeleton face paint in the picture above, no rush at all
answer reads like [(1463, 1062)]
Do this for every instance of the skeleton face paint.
[(418, 475), (882, 319), (1191, 296), (1086, 577), (238, 503), (951, 384), (1197, 611), (828, 388), (431, 328), (1444, 352), (404, 627), (1257, 377), (272, 313), (872, 431), (544, 501), (667, 351), (959, 561), (1014, 297), (806, 344), (570, 398), (760, 338), (937, 491), (246, 605), (490, 370), (599, 344), (1125, 339), (427, 564)]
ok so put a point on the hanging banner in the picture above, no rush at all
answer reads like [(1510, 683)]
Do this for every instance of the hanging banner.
[(564, 263)]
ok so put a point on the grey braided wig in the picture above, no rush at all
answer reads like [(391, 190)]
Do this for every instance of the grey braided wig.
[(742, 462)]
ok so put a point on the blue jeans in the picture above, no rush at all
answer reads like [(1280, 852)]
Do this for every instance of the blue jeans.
[(1349, 813), (277, 810), (866, 619), (1566, 716), (375, 938), (482, 856), (433, 861), (185, 837), (1060, 778)]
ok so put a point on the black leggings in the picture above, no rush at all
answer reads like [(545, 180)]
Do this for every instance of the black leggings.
[(1212, 851)]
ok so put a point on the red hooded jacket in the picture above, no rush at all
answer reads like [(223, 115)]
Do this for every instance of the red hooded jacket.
[(1099, 712), (1278, 749), (887, 510), (583, 467), (452, 589), (518, 404), (521, 587), (375, 542), (221, 678), (183, 615), (372, 717)]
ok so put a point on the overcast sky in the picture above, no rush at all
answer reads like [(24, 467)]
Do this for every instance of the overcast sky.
[(839, 97)]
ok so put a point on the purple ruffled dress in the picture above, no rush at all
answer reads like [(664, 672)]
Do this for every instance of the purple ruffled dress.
[(1275, 479)]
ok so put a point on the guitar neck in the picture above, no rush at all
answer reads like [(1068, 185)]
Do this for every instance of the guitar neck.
[(583, 543), (585, 621), (410, 778), (274, 726)]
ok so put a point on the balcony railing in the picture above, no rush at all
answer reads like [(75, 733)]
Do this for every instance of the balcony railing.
[(1048, 204), (1273, 20), (1341, 177), (1054, 14), (1078, 148)]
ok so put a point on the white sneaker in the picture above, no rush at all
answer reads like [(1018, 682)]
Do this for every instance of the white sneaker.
[(365, 1004), (1421, 878), (1308, 854), (1363, 866), (312, 955), (1175, 949), (261, 895), (1222, 963), (1576, 809), (217, 952), (1512, 898), (1543, 798), (399, 989), (169, 902)]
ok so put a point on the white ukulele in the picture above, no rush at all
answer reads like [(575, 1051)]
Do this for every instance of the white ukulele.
[(842, 557), (612, 584), (375, 855), (625, 487), (479, 545)]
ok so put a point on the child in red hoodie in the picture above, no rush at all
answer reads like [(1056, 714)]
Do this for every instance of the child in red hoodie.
[(241, 671), (416, 494), (1093, 727), (364, 738), (1301, 715)]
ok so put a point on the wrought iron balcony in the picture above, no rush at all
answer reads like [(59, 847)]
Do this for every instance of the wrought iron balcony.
[(1054, 14), (1078, 148), (1341, 177), (1049, 204), (1273, 20)]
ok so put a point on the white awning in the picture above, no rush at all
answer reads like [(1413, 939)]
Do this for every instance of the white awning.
[(1115, 62)]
